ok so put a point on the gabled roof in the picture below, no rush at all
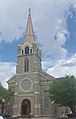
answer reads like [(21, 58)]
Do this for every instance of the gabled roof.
[(46, 75), (12, 79)]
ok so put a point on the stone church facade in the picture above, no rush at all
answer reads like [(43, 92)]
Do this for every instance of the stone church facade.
[(30, 84)]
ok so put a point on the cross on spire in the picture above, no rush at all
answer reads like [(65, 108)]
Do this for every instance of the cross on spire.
[(29, 11)]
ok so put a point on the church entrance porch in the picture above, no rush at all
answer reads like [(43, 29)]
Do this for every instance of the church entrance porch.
[(26, 108)]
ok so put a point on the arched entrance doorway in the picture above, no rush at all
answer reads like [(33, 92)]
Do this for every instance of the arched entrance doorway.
[(26, 108)]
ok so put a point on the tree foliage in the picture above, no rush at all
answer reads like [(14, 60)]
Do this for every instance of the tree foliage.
[(5, 93), (63, 91)]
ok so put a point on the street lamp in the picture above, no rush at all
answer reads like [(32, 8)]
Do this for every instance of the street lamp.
[(3, 101)]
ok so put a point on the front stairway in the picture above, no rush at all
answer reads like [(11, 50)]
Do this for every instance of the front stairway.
[(35, 118), (39, 118)]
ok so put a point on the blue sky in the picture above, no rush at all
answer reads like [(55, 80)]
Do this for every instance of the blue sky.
[(54, 23), (70, 44)]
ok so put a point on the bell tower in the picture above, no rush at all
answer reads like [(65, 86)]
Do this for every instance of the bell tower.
[(30, 84), (29, 54)]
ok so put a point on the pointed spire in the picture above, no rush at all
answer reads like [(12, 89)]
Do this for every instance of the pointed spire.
[(29, 29)]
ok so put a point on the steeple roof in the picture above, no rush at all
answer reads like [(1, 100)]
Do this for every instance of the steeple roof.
[(29, 34)]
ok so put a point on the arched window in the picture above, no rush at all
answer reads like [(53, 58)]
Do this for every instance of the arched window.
[(46, 99), (26, 65), (27, 50)]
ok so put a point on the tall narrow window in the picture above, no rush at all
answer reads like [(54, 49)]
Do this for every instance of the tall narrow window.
[(30, 51), (22, 52), (26, 65), (46, 99), (27, 50)]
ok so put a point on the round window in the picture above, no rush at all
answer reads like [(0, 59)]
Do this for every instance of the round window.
[(26, 84)]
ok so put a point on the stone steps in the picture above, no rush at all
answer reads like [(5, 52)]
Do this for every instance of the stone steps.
[(36, 118), (40, 118)]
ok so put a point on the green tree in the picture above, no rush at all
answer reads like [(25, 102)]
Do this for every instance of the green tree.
[(63, 91), (5, 94)]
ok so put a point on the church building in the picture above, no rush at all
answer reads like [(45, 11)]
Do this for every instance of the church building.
[(30, 84)]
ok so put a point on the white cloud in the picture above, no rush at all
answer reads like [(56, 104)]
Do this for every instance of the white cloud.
[(62, 67), (55, 68), (45, 15), (48, 20), (7, 70)]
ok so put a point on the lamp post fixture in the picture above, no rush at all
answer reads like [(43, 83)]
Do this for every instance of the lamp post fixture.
[(3, 101)]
